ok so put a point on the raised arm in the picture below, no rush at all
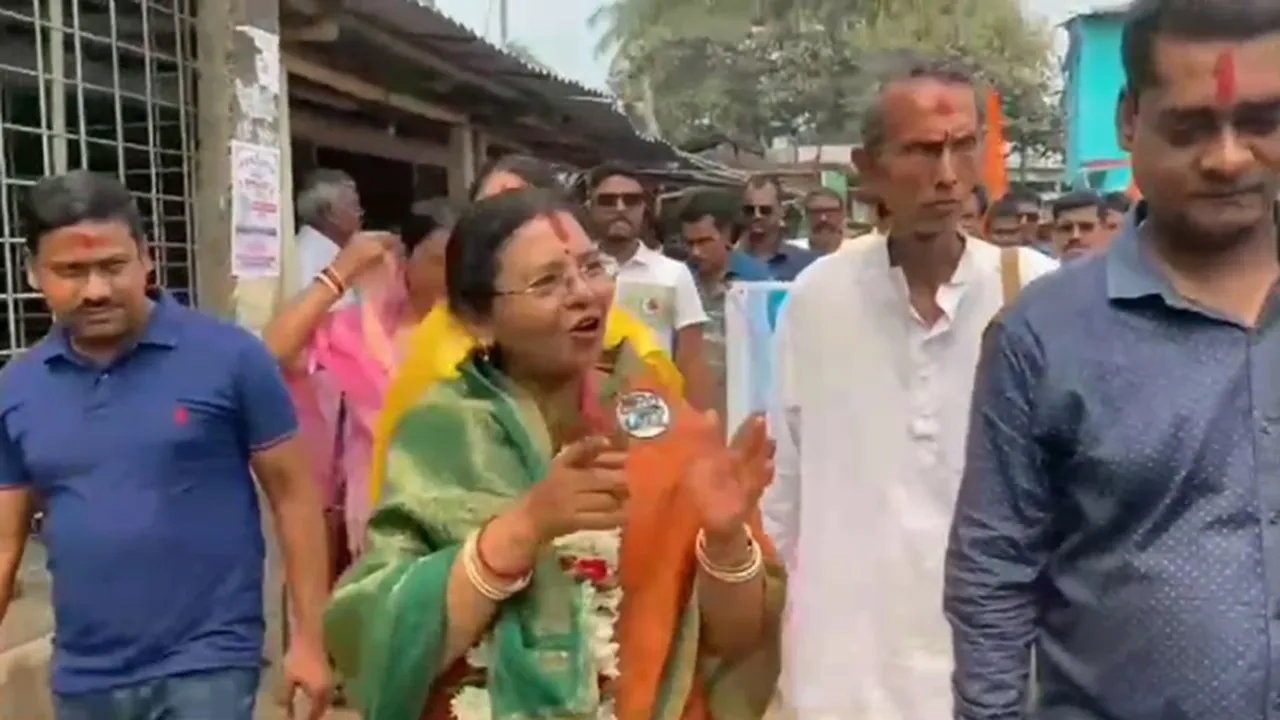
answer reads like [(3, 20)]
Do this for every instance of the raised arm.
[(999, 536), (291, 329)]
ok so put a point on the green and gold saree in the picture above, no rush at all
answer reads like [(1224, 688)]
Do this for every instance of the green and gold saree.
[(461, 454)]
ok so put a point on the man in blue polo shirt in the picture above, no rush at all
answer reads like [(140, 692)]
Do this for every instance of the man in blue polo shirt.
[(136, 423), (762, 204)]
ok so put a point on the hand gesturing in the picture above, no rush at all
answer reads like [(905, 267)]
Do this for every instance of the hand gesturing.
[(725, 483)]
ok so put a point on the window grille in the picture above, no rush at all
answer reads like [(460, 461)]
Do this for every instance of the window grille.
[(107, 85)]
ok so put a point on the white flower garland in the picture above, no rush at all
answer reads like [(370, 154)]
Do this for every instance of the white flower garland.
[(592, 557)]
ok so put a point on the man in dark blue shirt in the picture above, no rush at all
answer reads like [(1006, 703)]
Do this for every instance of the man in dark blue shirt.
[(762, 204), (135, 423), (1120, 506)]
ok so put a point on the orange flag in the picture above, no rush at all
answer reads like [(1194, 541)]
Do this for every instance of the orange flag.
[(995, 174)]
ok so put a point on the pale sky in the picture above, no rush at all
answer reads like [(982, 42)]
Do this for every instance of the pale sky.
[(563, 40)]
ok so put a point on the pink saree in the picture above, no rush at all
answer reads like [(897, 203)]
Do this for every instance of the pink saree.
[(346, 370)]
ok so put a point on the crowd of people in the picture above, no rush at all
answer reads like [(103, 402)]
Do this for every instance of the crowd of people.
[(493, 442)]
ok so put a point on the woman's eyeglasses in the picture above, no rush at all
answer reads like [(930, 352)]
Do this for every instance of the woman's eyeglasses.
[(601, 268)]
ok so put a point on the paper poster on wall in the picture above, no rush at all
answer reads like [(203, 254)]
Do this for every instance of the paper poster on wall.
[(255, 211)]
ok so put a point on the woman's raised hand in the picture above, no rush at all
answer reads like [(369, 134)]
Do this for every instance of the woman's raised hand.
[(364, 252), (725, 483), (585, 489)]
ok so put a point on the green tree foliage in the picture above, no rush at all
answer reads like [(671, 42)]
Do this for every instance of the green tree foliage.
[(803, 69)]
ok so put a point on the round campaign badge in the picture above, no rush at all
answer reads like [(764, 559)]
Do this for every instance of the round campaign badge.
[(643, 414)]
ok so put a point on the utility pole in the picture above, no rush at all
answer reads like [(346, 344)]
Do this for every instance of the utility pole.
[(504, 27)]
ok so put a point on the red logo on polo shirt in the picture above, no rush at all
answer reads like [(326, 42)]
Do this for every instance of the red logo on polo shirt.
[(180, 416)]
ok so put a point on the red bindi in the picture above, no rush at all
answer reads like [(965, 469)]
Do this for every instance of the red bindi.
[(1224, 76), (944, 106)]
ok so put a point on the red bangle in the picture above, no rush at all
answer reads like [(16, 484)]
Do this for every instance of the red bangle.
[(488, 568)]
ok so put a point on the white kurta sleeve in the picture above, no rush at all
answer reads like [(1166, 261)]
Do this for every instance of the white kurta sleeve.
[(780, 505)]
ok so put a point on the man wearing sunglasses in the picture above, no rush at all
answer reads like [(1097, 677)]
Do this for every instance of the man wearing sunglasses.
[(656, 289), (762, 206)]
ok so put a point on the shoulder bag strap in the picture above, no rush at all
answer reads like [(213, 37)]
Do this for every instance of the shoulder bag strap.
[(1010, 274)]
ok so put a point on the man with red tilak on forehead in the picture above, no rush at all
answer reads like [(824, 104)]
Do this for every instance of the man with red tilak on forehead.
[(142, 426), (1119, 516), (874, 357)]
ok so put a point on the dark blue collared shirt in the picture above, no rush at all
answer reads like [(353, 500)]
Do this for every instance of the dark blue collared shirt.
[(152, 523), (744, 268), (788, 261), (1120, 507)]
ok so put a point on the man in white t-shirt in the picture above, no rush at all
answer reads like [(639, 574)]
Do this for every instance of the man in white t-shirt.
[(654, 288)]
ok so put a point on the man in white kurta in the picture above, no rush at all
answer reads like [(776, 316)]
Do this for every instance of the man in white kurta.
[(870, 411)]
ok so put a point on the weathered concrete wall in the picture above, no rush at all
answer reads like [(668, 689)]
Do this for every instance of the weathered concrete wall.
[(240, 41)]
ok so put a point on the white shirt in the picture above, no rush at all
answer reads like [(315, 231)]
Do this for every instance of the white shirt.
[(315, 252), (803, 243), (870, 410), (660, 292)]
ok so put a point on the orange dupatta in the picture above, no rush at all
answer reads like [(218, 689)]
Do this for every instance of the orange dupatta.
[(658, 571)]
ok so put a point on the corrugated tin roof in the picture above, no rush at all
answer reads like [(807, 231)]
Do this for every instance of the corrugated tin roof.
[(594, 111), (462, 30)]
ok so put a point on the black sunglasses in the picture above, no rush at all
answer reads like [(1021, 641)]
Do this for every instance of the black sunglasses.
[(757, 210), (616, 200)]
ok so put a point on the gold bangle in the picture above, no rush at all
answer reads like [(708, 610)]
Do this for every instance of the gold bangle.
[(491, 588), (335, 280), (329, 283), (743, 573)]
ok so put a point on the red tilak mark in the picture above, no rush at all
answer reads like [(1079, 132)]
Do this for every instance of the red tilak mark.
[(180, 416), (943, 105), (1224, 75)]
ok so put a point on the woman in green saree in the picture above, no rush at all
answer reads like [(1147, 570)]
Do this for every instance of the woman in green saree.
[(551, 540)]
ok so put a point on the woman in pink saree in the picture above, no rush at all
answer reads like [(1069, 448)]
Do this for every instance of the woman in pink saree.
[(339, 361)]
